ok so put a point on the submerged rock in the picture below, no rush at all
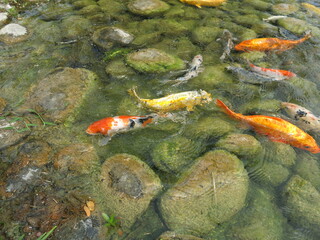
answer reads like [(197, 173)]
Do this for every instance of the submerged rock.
[(152, 60), (148, 7), (3, 104), (118, 69), (77, 158), (127, 187), (205, 35), (61, 93), (13, 33), (240, 144), (302, 203), (210, 192), (261, 220), (11, 132), (175, 236), (109, 36), (285, 9), (3, 18), (172, 154)]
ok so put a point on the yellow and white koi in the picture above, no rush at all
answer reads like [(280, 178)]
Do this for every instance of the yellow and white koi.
[(207, 3), (311, 8), (174, 101)]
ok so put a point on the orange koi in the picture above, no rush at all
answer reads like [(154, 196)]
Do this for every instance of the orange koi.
[(276, 129), (208, 3), (112, 125), (275, 74), (269, 44)]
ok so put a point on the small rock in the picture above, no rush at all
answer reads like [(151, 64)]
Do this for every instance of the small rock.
[(13, 33), (205, 35), (285, 9), (152, 60), (176, 236), (77, 158), (148, 7), (3, 18), (127, 187), (109, 36), (118, 69)]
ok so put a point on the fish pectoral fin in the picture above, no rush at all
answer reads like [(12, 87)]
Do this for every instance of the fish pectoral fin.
[(104, 141), (198, 5)]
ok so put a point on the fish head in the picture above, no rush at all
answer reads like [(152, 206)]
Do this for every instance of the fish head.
[(290, 108), (241, 47), (93, 130), (100, 127), (205, 96), (314, 148)]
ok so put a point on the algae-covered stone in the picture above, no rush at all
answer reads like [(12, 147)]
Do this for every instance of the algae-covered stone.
[(83, 3), (208, 127), (273, 174), (302, 202), (213, 76), (127, 187), (90, 10), (258, 4), (252, 56), (60, 93), (75, 26), (3, 18), (265, 29), (210, 192), (77, 158), (247, 34), (107, 37), (148, 7), (176, 236), (240, 144), (145, 39), (174, 153), (258, 106), (205, 35), (294, 25), (285, 9), (282, 153), (308, 168), (247, 20), (49, 31), (261, 220), (118, 69), (151, 60)]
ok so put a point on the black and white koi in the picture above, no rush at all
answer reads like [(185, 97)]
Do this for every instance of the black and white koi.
[(302, 116), (227, 43)]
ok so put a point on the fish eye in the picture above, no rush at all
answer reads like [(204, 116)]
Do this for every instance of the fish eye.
[(307, 146)]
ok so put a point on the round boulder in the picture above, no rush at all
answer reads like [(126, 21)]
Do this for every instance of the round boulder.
[(127, 187), (151, 60), (285, 9), (148, 7), (107, 37), (210, 192)]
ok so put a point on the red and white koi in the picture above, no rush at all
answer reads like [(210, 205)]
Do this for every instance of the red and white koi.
[(113, 125), (302, 116), (275, 74)]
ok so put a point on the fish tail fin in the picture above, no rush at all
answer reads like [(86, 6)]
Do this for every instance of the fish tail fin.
[(227, 110), (132, 92)]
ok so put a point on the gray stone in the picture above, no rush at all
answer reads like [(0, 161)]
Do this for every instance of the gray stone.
[(3, 18), (109, 36), (148, 7), (13, 33)]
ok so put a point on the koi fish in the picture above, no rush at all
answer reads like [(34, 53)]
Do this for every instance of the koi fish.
[(269, 44), (193, 71), (304, 117), (207, 3), (275, 74), (113, 125), (174, 101), (311, 8), (227, 42), (276, 129), (273, 18)]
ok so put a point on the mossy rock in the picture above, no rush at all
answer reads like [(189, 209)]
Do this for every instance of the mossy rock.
[(146, 39), (84, 3), (302, 201), (258, 4), (265, 29), (260, 106), (126, 188), (240, 144), (174, 153), (75, 26), (205, 35), (284, 8), (208, 127), (148, 7), (90, 10), (252, 56), (118, 69), (152, 60), (49, 31), (176, 236), (212, 190), (281, 153), (247, 20)]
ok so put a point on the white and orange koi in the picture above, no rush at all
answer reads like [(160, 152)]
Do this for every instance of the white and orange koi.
[(302, 116), (113, 125), (274, 74), (174, 101)]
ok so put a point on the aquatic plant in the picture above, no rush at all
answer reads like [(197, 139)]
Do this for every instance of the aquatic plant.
[(109, 55), (44, 236)]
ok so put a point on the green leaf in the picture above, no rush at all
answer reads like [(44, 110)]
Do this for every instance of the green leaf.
[(7, 128), (49, 123), (31, 125), (15, 119), (106, 217), (23, 130), (46, 235)]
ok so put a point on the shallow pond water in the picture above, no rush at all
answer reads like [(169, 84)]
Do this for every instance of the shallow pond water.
[(189, 175)]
